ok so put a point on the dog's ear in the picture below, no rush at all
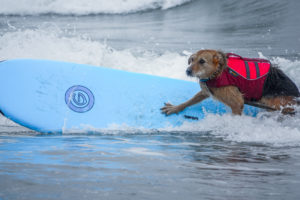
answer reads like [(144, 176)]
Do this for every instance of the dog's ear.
[(220, 58), (191, 59)]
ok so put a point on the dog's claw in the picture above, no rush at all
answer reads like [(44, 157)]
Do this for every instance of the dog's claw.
[(168, 104), (169, 109)]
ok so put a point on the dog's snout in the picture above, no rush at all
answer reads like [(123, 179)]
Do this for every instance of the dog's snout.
[(189, 71)]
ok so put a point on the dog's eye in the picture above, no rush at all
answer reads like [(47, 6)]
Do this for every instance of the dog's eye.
[(201, 61)]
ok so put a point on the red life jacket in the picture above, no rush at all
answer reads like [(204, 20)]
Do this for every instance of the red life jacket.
[(248, 74)]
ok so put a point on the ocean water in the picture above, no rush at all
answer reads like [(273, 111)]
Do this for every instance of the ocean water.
[(220, 157)]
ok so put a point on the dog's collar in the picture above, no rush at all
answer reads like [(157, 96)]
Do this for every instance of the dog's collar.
[(204, 80)]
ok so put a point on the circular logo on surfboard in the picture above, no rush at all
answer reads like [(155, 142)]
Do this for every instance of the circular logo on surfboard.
[(79, 98)]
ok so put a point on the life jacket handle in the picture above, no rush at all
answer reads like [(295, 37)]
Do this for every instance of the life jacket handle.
[(247, 59), (233, 55)]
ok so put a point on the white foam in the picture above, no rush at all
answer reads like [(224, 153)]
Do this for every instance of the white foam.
[(291, 68), (7, 122), (267, 128), (79, 7), (51, 43)]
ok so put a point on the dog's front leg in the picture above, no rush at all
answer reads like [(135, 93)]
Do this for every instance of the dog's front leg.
[(170, 109), (230, 96)]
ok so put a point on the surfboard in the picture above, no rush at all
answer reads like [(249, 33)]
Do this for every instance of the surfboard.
[(54, 97)]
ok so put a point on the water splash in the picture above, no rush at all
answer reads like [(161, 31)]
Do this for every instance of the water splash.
[(53, 44)]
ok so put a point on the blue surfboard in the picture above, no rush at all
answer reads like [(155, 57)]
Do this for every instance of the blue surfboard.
[(51, 96)]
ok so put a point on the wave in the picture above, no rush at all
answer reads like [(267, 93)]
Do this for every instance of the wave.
[(270, 129), (87, 7), (267, 128), (52, 44)]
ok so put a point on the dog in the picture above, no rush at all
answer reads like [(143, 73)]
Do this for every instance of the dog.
[(272, 89)]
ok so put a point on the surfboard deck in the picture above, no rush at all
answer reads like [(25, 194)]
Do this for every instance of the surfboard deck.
[(53, 97)]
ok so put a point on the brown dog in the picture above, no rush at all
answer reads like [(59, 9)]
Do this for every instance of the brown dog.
[(277, 90)]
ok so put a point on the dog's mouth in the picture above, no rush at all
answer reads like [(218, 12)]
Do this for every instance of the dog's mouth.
[(189, 72)]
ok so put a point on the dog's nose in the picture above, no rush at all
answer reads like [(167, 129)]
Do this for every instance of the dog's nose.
[(188, 71)]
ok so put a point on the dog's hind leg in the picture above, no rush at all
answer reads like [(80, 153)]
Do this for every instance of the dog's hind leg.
[(283, 103)]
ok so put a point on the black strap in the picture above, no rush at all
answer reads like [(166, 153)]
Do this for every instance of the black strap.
[(257, 70), (247, 70)]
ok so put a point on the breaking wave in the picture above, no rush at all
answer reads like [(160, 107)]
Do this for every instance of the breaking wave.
[(87, 7)]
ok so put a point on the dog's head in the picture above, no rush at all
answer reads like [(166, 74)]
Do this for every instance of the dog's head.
[(205, 63)]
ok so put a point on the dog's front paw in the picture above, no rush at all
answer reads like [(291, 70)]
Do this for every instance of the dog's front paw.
[(169, 109)]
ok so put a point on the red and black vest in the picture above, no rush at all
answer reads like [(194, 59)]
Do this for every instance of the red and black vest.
[(248, 74)]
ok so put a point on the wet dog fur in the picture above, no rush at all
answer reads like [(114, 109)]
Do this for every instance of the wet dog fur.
[(279, 92)]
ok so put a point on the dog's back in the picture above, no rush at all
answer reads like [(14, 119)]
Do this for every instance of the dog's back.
[(279, 84)]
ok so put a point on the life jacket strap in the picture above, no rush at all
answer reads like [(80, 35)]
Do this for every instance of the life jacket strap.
[(247, 70)]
